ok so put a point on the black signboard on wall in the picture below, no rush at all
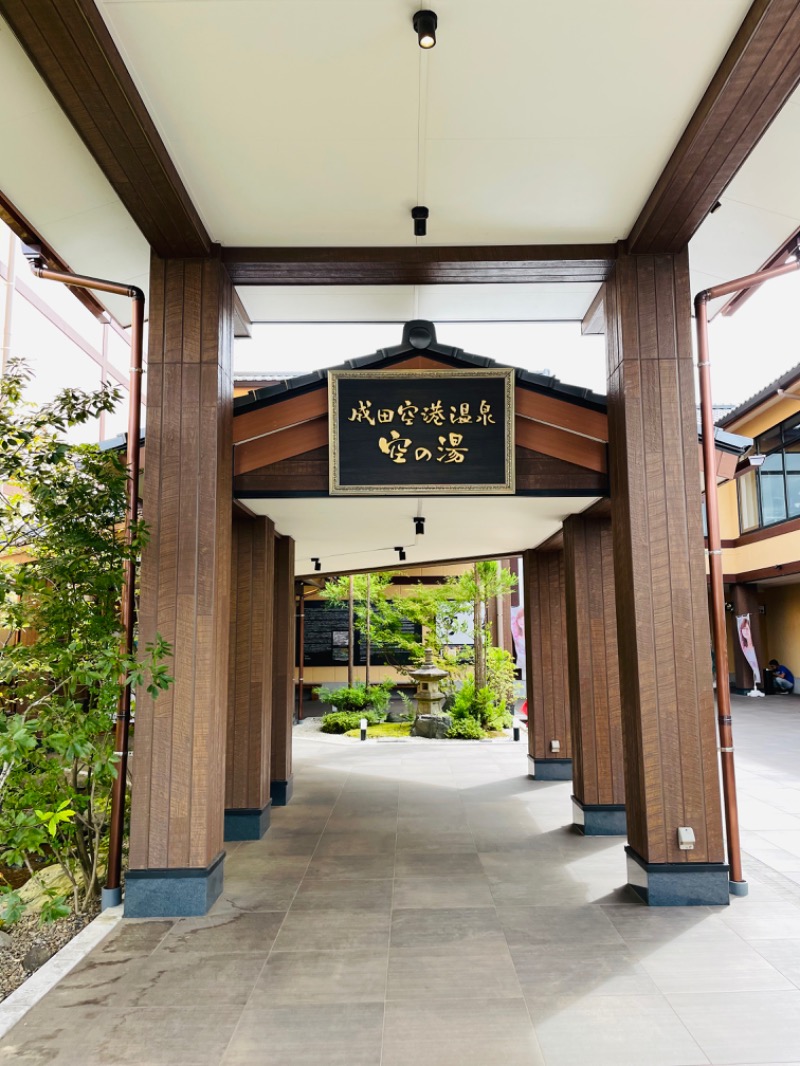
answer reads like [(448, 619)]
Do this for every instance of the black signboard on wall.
[(325, 639), (421, 431)]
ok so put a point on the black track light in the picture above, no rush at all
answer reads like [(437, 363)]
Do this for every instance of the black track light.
[(425, 23), (317, 563), (419, 525), (401, 553), (420, 216)]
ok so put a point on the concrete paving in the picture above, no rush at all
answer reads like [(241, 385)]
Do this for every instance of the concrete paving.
[(426, 903)]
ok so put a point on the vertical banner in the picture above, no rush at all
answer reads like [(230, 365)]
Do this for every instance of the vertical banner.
[(746, 644), (518, 633)]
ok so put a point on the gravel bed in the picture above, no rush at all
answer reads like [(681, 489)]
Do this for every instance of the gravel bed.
[(41, 941)]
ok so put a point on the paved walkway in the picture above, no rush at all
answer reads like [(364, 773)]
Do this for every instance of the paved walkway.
[(422, 904)]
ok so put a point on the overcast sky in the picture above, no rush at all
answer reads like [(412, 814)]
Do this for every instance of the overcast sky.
[(748, 350)]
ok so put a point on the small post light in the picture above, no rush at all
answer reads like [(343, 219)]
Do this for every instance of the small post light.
[(425, 24), (363, 729), (516, 732)]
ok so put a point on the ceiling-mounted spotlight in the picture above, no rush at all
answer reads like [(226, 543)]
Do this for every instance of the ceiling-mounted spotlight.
[(401, 553), (316, 562), (420, 216), (419, 525), (425, 23)]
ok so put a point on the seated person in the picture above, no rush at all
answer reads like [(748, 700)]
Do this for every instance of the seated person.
[(782, 676)]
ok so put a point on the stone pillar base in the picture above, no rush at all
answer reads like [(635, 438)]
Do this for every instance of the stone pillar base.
[(550, 769), (173, 893), (281, 791), (245, 823), (599, 819), (677, 884)]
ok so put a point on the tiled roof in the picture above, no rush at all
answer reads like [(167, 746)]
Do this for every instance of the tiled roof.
[(456, 357), (789, 378)]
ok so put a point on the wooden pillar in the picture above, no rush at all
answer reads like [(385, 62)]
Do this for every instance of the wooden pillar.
[(745, 601), (670, 744), (247, 770), (549, 740), (176, 851), (595, 706), (283, 672)]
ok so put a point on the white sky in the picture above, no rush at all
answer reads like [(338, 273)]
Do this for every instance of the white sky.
[(748, 350)]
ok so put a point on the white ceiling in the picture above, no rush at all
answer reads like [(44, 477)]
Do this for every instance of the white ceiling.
[(297, 122), (48, 174), (352, 533), (759, 210), (320, 122), (436, 303)]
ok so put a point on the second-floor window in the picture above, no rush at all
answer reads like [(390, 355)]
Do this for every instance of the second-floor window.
[(771, 494)]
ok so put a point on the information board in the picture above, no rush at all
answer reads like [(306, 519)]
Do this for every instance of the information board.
[(325, 639)]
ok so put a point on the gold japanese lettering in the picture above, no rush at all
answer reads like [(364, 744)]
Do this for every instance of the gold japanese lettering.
[(421, 454), (386, 414), (407, 412), (362, 413), (450, 450), (485, 414), (433, 414), (460, 415), (395, 446)]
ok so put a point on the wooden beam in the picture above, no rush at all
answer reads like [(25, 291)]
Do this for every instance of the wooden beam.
[(242, 323), (548, 440), (594, 322), (777, 258), (755, 79), (264, 451), (504, 264), (70, 46), (562, 414)]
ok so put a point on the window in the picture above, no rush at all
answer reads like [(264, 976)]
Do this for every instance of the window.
[(748, 502), (773, 494)]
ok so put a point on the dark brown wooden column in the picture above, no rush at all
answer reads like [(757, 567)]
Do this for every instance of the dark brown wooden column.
[(549, 740), (176, 851), (283, 672), (595, 706), (671, 772), (247, 770), (745, 601)]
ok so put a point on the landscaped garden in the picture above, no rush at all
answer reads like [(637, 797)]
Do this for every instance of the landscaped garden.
[(62, 665)]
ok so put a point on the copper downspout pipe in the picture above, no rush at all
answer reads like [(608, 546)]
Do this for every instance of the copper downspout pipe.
[(718, 624), (112, 893)]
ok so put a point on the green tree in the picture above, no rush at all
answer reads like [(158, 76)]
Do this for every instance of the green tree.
[(62, 507)]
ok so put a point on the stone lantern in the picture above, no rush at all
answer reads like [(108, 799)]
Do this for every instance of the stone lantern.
[(430, 719)]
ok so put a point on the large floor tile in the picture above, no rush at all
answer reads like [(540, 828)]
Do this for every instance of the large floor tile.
[(738, 1027), (250, 932), (437, 864), (370, 896), (697, 966), (529, 926), (613, 1031), (447, 1032), (441, 892), (340, 1035), (455, 932), (320, 977), (762, 921), (351, 867), (416, 976), (333, 930), (575, 969)]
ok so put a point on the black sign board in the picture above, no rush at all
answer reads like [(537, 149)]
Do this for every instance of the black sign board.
[(325, 639), (421, 431)]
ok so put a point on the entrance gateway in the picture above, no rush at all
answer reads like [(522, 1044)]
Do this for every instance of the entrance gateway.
[(329, 467)]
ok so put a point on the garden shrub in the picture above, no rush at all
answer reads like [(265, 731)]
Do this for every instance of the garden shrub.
[(358, 697), (465, 729), (342, 721)]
